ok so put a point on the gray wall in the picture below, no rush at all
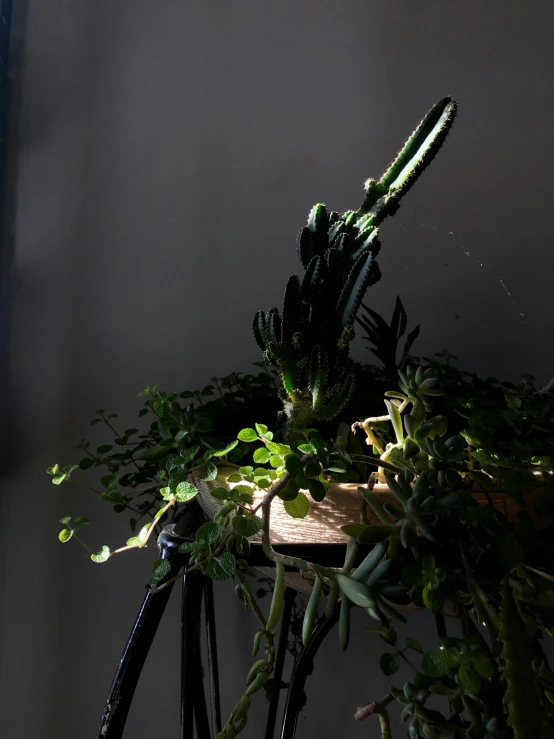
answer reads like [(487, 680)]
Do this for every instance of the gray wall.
[(163, 156)]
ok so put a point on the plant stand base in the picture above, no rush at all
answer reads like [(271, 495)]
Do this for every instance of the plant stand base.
[(198, 592)]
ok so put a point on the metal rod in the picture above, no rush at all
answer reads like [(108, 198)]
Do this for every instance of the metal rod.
[(303, 666), (193, 700), (290, 595), (112, 723), (202, 720), (211, 642)]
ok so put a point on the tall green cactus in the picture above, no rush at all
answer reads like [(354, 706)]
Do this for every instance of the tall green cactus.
[(309, 340)]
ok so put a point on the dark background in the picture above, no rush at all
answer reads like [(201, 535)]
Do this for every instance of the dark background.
[(161, 158)]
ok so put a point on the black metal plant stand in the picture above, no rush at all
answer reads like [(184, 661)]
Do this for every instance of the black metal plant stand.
[(198, 592)]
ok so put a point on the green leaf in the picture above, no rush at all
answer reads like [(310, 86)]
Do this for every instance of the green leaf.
[(108, 480), (221, 493), (290, 491), (187, 546), (112, 495), (143, 533), (389, 663), (307, 448), (53, 470), (388, 635), (413, 644), (433, 664), (396, 420), (86, 463), (468, 679), (261, 456), (66, 520), (81, 521), (221, 568), (375, 533), (482, 664), (247, 434), (102, 556), (208, 532), (247, 525), (134, 541), (432, 597), (208, 472), (299, 507), (65, 535), (353, 529), (58, 479), (226, 450), (234, 477), (317, 489), (313, 468), (261, 429), (242, 492), (104, 449), (293, 465), (160, 568), (357, 592), (185, 491)]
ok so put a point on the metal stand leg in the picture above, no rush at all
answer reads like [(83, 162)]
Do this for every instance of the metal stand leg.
[(193, 698), (198, 588), (112, 723), (213, 668), (290, 595), (302, 668)]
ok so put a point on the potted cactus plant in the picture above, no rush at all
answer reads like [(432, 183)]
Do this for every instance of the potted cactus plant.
[(443, 501)]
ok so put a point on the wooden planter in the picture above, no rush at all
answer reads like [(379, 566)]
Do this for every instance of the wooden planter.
[(340, 506)]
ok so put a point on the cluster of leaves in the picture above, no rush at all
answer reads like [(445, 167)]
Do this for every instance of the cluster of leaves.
[(144, 472), (436, 548), (385, 338)]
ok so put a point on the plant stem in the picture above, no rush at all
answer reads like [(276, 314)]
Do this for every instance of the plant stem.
[(406, 660), (84, 485), (375, 462), (370, 709), (78, 538), (151, 529)]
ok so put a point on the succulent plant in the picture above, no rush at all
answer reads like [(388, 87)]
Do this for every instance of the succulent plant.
[(308, 341)]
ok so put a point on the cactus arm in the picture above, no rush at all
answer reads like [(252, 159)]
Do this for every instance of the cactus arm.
[(526, 713), (364, 272), (318, 224), (416, 154), (339, 400), (273, 328), (319, 371), (312, 278), (304, 247), (292, 306), (258, 328)]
